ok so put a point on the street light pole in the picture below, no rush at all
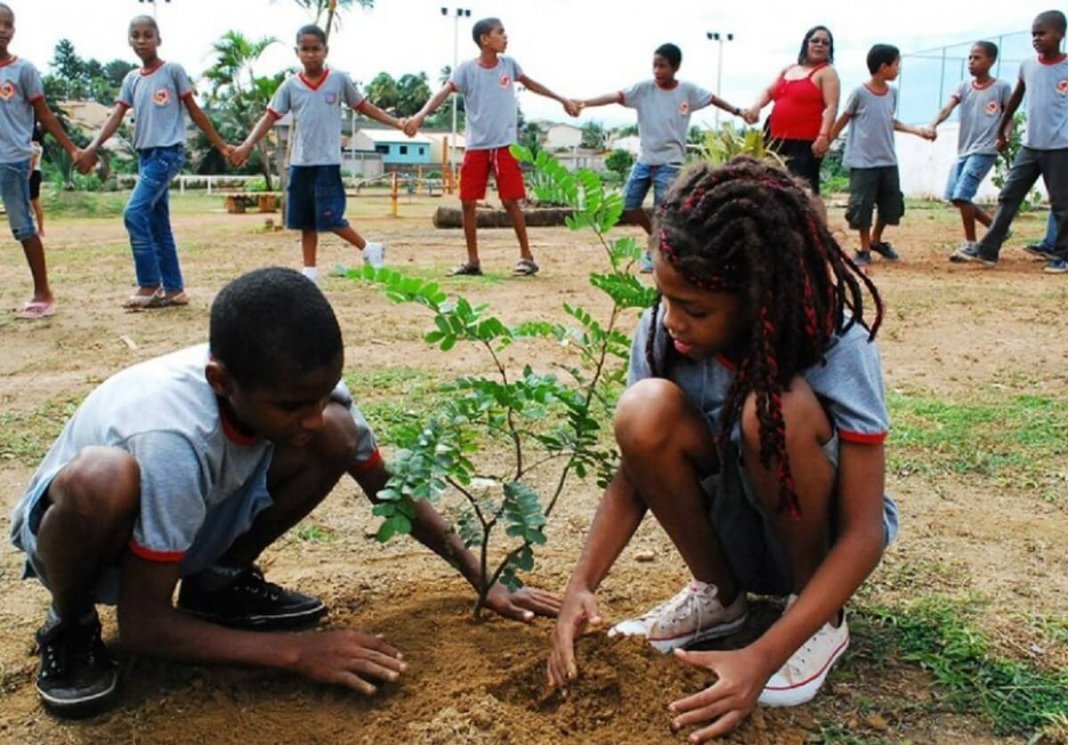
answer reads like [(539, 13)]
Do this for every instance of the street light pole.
[(457, 14), (153, 4), (719, 38)]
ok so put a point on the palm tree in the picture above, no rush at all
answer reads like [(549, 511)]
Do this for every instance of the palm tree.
[(330, 7)]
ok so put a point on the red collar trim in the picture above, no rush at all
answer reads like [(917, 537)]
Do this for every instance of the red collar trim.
[(977, 87), (146, 71), (669, 87), (318, 84), (1056, 61), (233, 434), (484, 66), (9, 62), (875, 92)]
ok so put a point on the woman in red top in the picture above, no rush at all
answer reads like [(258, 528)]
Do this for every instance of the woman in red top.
[(806, 104)]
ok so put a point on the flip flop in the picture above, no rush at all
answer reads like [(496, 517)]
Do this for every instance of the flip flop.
[(157, 299), (177, 299), (525, 268), (35, 310), (467, 269)]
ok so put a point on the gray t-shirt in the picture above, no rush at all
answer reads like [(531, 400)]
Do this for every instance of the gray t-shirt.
[(164, 413), (870, 137), (850, 384), (1047, 103), (157, 99), (664, 118), (316, 109), (980, 115), (20, 86), (489, 101)]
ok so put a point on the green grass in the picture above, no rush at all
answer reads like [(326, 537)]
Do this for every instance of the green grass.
[(835, 734), (82, 203), (1018, 441), (940, 635), (394, 397), (27, 435), (314, 533)]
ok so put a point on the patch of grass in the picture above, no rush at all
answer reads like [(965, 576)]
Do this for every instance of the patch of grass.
[(1013, 697), (26, 435), (313, 533), (394, 397), (1018, 440), (835, 734), (82, 203)]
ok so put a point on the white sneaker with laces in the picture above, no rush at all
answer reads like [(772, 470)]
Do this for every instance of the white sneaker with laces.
[(800, 679), (374, 254), (694, 614)]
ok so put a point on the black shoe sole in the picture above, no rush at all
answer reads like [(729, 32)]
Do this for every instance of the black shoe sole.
[(83, 708)]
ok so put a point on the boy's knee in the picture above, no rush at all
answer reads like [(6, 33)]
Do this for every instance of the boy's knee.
[(101, 484), (804, 419), (647, 414)]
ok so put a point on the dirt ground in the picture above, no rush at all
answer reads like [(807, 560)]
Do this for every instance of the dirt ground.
[(949, 330)]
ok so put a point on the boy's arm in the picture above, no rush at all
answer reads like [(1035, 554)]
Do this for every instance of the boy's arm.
[(944, 112), (434, 532), (201, 120), (415, 122), (368, 109), (1008, 119), (571, 107), (839, 124), (925, 132), (263, 126), (719, 103), (51, 123), (150, 625), (109, 128), (605, 100)]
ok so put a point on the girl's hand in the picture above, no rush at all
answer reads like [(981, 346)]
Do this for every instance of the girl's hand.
[(741, 676), (578, 612), (523, 604)]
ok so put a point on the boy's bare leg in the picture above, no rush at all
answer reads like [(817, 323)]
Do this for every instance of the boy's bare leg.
[(865, 239), (519, 222), (806, 539), (309, 246), (87, 526), (967, 219), (349, 234), (470, 220), (877, 234), (35, 257), (666, 448)]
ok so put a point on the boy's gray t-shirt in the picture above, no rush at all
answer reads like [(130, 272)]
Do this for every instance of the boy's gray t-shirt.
[(489, 101), (20, 87), (1047, 103), (165, 414), (870, 137), (157, 99), (664, 118), (316, 110), (981, 109)]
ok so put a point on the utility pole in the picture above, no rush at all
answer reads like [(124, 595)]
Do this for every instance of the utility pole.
[(719, 38), (457, 14)]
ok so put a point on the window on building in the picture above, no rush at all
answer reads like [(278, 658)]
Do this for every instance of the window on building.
[(403, 149), (422, 150), (384, 149)]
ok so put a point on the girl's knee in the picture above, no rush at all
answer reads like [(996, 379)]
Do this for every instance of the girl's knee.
[(648, 414), (102, 484)]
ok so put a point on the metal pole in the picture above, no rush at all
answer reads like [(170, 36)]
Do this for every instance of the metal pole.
[(455, 61), (719, 76)]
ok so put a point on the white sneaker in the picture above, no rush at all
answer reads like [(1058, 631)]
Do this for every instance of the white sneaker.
[(693, 615), (374, 254), (800, 679)]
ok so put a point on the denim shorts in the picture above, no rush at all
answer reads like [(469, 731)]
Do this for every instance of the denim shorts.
[(966, 175), (756, 556), (315, 199), (15, 191), (222, 525), (642, 176)]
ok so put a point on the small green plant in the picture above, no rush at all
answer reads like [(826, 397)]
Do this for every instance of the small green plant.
[(619, 162), (494, 438), (728, 143)]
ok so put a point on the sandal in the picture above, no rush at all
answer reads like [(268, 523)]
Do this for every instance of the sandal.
[(157, 299), (34, 310), (525, 268), (467, 269), (177, 299)]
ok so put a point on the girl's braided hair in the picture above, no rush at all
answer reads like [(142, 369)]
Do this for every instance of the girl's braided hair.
[(748, 227)]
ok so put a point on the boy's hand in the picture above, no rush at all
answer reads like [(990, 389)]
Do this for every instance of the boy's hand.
[(751, 116), (523, 604), (726, 703), (239, 155), (348, 658), (411, 127), (928, 134), (1002, 142), (578, 612), (572, 107), (84, 160)]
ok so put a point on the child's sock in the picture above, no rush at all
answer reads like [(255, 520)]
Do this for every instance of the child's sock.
[(312, 273)]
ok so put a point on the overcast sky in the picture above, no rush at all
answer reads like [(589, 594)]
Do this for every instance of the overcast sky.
[(579, 48)]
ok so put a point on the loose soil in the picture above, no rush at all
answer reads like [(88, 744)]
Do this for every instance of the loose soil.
[(949, 330)]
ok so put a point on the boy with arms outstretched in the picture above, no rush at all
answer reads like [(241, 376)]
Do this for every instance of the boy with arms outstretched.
[(664, 106), (159, 93), (315, 197), (1044, 151), (487, 84), (22, 96), (187, 467), (982, 100), (870, 155)]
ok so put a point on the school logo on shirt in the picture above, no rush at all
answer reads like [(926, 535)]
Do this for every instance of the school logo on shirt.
[(684, 108), (7, 90), (161, 97), (1062, 87), (330, 99), (992, 108), (506, 80)]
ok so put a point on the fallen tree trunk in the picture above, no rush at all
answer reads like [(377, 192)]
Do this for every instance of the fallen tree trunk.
[(536, 217)]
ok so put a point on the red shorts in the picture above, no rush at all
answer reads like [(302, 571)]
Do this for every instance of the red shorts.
[(474, 174)]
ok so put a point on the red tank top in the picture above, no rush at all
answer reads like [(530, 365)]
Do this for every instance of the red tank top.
[(798, 111)]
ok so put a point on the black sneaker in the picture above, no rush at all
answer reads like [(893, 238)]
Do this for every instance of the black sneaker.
[(885, 250), (862, 258), (77, 677), (243, 599), (1041, 251)]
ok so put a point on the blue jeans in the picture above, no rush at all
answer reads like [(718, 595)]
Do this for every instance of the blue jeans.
[(643, 176), (148, 219), (1050, 239), (15, 193)]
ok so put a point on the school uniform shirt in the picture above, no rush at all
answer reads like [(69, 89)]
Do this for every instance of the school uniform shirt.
[(664, 118), (20, 87), (316, 110), (981, 109), (1047, 103), (489, 101), (849, 383), (164, 413), (870, 137), (157, 98)]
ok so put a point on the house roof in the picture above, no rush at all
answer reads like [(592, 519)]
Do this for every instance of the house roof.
[(439, 137), (394, 135)]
